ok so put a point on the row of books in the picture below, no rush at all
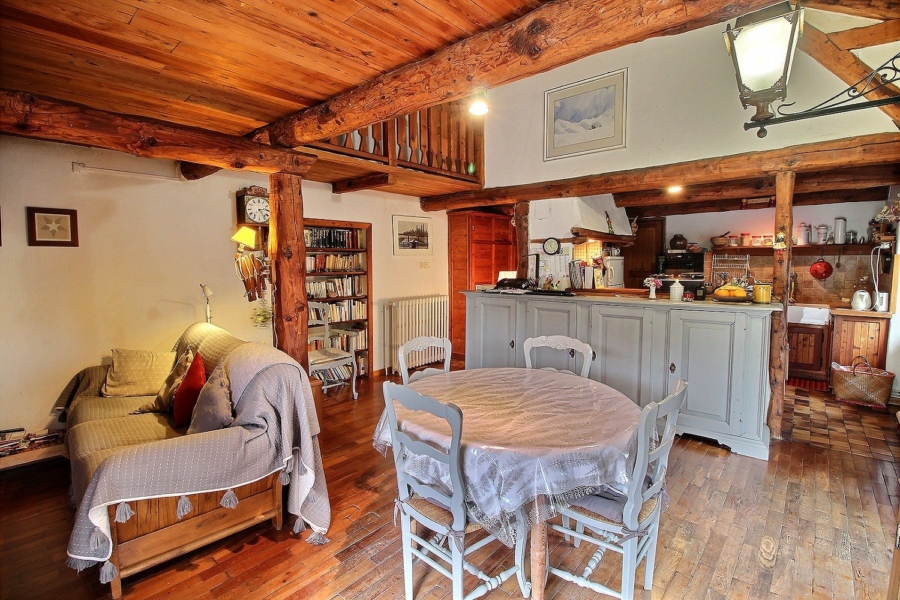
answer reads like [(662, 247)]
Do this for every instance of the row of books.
[(316, 237), (338, 286), (348, 341), (322, 263), (334, 374), (346, 310)]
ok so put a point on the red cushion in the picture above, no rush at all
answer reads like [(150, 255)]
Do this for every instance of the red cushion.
[(188, 392)]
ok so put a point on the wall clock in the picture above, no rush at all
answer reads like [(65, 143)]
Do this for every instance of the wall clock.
[(551, 246), (253, 206)]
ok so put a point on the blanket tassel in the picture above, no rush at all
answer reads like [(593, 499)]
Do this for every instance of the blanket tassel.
[(229, 500), (184, 507), (96, 539), (123, 512), (317, 539), (79, 564), (285, 477), (108, 572), (299, 526)]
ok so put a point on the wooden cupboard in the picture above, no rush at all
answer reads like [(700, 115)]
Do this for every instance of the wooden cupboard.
[(810, 351), (481, 245), (858, 333)]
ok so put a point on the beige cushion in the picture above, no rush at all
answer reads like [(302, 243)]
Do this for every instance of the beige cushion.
[(137, 372), (166, 394)]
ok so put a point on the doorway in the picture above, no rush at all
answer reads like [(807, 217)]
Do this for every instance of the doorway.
[(640, 259)]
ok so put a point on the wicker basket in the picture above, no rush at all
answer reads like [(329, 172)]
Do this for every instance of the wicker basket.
[(861, 384)]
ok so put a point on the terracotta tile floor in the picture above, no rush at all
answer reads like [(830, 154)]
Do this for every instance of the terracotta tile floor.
[(818, 419)]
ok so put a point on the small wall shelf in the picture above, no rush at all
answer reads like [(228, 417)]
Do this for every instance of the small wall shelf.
[(807, 250)]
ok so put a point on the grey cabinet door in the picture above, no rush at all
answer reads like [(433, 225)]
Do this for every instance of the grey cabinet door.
[(491, 333), (622, 338), (548, 317), (707, 349)]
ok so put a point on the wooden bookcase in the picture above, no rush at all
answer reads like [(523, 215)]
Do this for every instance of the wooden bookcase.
[(339, 273)]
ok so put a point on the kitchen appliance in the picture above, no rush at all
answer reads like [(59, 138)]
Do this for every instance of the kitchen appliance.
[(680, 262), (615, 271), (861, 300), (881, 301)]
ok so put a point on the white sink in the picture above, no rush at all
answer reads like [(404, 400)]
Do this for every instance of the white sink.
[(809, 314)]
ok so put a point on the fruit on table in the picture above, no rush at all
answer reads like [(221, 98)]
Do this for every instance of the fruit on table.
[(730, 291)]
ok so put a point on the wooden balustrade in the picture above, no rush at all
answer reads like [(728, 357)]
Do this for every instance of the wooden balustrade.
[(443, 139)]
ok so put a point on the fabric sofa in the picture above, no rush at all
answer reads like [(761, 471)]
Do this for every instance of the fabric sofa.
[(145, 491)]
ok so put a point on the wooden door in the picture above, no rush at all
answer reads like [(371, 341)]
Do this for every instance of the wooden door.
[(458, 232), (707, 349), (622, 338), (859, 336), (640, 259), (549, 317), (808, 357), (491, 337)]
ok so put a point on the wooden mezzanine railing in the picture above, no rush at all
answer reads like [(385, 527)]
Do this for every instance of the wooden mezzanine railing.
[(443, 139)]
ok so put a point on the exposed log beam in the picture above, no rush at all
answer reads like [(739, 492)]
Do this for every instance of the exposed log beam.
[(863, 37), (874, 9), (26, 115), (812, 199), (194, 171), (600, 236), (845, 65), (876, 149), (365, 182), (554, 34), (848, 179), (778, 356)]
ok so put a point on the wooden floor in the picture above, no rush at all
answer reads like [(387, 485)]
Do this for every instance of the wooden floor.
[(810, 522)]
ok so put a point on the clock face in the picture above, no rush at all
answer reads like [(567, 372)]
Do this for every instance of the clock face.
[(551, 246), (257, 209)]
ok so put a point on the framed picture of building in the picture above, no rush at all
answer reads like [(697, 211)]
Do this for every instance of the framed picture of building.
[(587, 116), (412, 236)]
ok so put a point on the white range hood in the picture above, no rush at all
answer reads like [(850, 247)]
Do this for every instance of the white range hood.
[(556, 217)]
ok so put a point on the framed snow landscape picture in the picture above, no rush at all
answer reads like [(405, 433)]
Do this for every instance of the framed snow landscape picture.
[(586, 116)]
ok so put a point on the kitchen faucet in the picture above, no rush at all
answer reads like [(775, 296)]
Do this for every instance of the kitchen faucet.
[(792, 288)]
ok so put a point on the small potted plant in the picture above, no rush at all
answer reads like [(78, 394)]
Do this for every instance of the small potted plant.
[(653, 283)]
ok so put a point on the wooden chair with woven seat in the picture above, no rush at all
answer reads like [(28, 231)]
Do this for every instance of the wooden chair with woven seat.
[(418, 345), (628, 524), (434, 509), (561, 342)]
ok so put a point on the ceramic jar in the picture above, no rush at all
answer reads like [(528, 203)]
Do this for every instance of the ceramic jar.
[(676, 291)]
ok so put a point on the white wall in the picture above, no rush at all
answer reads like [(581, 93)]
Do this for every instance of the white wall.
[(682, 105), (145, 246)]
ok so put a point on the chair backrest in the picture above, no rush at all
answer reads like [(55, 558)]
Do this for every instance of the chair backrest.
[(652, 456), (561, 342), (404, 445), (422, 343), (318, 315)]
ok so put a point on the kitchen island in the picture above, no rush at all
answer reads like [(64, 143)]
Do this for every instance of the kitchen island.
[(641, 347)]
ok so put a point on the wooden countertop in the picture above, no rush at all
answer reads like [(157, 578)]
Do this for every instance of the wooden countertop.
[(871, 314)]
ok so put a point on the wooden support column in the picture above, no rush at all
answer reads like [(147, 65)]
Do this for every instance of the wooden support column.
[(522, 240), (287, 251), (778, 353)]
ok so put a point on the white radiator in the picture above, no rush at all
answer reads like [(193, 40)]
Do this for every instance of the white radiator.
[(408, 318)]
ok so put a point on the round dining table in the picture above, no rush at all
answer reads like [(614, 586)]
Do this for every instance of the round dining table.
[(532, 442)]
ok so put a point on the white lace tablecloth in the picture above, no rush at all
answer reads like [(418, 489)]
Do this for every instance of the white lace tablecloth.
[(526, 433)]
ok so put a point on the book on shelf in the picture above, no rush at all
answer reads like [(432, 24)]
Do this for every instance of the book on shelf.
[(323, 263), (345, 310), (330, 237), (354, 285), (334, 374)]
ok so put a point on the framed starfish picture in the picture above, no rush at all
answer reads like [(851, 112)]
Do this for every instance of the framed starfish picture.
[(52, 226)]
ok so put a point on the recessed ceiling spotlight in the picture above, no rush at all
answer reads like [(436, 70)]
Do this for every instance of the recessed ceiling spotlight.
[(674, 189), (479, 108)]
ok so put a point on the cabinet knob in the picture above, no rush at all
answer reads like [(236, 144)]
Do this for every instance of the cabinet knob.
[(512, 343), (671, 367)]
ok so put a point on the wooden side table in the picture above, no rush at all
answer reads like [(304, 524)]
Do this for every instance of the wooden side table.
[(28, 457)]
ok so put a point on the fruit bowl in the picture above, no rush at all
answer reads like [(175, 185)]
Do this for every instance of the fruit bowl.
[(746, 300)]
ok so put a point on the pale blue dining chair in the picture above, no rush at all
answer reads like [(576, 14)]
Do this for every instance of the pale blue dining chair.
[(628, 524), (430, 505), (420, 344), (561, 342)]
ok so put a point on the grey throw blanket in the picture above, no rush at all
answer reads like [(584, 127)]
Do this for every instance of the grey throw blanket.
[(275, 429)]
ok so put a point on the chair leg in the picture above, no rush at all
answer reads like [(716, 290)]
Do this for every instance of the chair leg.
[(579, 527), (650, 559), (406, 540), (353, 378), (565, 524), (629, 568), (457, 570)]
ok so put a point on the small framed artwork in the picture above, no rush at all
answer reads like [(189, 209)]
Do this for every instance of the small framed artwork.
[(587, 116), (52, 226), (412, 236)]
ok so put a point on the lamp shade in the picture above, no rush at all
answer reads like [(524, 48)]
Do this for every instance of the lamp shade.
[(245, 236), (762, 46)]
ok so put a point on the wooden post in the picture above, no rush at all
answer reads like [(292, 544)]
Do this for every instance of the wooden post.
[(522, 240), (287, 251), (778, 354)]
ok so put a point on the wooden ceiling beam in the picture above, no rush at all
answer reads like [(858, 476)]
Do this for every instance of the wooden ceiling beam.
[(847, 179), (845, 65), (25, 115), (832, 197), (862, 151), (552, 35), (874, 9), (365, 182), (863, 37)]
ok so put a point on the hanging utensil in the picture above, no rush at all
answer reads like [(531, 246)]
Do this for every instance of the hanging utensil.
[(837, 265)]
